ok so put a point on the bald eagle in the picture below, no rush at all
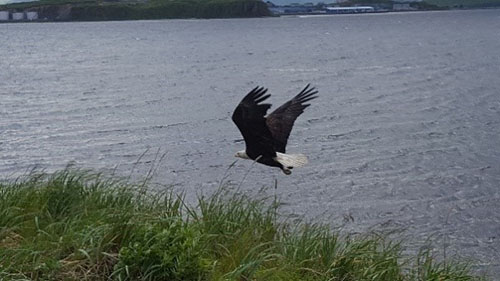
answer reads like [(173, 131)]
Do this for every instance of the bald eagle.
[(266, 136)]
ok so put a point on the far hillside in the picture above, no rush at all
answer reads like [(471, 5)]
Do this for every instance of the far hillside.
[(465, 3), (439, 3), (98, 10)]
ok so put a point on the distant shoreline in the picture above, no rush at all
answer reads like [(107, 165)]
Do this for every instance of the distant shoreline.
[(112, 11), (86, 11)]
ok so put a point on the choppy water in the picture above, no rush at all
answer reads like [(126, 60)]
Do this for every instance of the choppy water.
[(405, 134)]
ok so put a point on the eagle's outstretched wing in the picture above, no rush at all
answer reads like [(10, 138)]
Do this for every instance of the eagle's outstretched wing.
[(280, 121), (249, 117)]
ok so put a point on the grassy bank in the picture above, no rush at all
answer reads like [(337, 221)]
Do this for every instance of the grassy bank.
[(81, 226)]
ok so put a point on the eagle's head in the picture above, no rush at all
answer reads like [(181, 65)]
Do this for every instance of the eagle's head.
[(242, 154)]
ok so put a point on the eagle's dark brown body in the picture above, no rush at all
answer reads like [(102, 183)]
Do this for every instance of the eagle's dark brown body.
[(266, 136)]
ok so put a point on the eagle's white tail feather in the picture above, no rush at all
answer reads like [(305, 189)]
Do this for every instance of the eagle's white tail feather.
[(291, 160)]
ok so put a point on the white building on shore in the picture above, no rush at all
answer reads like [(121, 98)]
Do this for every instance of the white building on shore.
[(32, 16), (18, 16), (4, 15)]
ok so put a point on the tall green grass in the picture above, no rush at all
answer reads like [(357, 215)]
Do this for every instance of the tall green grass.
[(74, 225)]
